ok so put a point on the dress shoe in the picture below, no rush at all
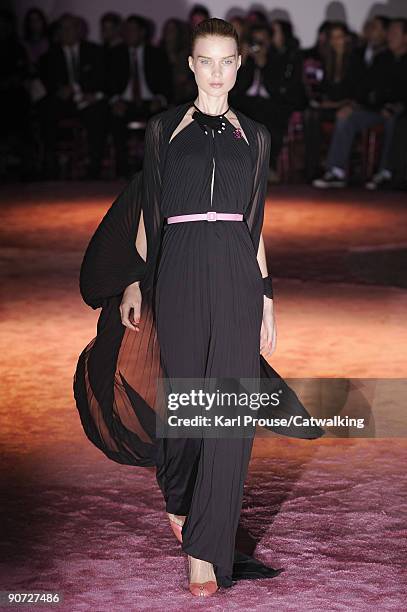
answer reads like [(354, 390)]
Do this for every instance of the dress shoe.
[(201, 589), (176, 526)]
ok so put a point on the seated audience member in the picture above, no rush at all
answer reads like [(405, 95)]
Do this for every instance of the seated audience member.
[(313, 62), (111, 35), (175, 43), (198, 13), (15, 129), (111, 30), (36, 43), (240, 26), (336, 89), (257, 17), (269, 83), (318, 50), (380, 97), (396, 159), (139, 84), (73, 74), (375, 39), (36, 40)]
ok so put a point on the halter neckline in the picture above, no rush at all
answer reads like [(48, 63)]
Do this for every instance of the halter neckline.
[(211, 116)]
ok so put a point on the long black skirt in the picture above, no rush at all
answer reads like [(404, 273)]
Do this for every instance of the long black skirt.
[(209, 306)]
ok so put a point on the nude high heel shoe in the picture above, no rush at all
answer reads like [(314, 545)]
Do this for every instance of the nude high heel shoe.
[(176, 526), (201, 589)]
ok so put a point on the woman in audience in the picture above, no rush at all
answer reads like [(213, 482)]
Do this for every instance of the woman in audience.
[(174, 42), (336, 90), (35, 30)]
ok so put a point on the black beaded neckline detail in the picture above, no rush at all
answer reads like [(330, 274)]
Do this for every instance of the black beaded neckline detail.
[(216, 122)]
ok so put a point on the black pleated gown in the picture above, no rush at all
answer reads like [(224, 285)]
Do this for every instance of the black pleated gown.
[(202, 304), (209, 305)]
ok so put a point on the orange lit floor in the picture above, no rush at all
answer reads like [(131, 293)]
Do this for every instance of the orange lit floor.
[(62, 493)]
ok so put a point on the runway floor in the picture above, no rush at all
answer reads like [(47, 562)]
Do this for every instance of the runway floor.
[(330, 512)]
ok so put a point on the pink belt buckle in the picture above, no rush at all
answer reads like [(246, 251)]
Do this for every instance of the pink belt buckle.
[(211, 215)]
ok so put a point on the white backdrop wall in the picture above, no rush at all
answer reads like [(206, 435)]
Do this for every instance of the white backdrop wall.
[(306, 15)]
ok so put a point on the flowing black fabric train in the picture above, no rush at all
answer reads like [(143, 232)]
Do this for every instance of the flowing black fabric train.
[(201, 316)]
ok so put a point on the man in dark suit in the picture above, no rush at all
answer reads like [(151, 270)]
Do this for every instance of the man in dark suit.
[(376, 40), (269, 86), (381, 97), (15, 127), (111, 30), (73, 74), (138, 83)]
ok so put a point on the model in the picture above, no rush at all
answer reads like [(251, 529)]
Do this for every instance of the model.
[(179, 268)]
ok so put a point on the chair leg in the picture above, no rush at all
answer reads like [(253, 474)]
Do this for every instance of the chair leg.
[(371, 149), (283, 162)]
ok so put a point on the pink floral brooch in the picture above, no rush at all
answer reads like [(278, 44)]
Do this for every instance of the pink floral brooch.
[(237, 133)]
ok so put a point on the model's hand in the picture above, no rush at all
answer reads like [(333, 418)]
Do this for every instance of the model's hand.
[(131, 301), (268, 334)]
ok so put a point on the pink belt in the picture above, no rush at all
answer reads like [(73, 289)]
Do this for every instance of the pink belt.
[(211, 215)]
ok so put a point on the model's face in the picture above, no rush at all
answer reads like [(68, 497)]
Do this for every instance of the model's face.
[(215, 63)]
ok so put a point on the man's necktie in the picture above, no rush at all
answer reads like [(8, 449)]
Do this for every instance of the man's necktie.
[(257, 80), (73, 68), (75, 65), (135, 80)]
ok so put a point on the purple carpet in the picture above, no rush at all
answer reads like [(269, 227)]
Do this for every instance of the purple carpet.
[(331, 513)]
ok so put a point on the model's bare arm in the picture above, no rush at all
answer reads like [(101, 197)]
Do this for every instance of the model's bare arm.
[(261, 257), (132, 294), (141, 238), (268, 326)]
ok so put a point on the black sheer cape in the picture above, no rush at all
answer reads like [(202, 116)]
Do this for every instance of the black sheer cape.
[(114, 382)]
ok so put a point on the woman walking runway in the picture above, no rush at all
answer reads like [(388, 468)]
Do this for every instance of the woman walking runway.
[(193, 301), (209, 307)]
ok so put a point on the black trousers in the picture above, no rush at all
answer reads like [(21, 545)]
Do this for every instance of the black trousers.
[(203, 479), (398, 152), (93, 118), (313, 118), (118, 125), (209, 318)]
